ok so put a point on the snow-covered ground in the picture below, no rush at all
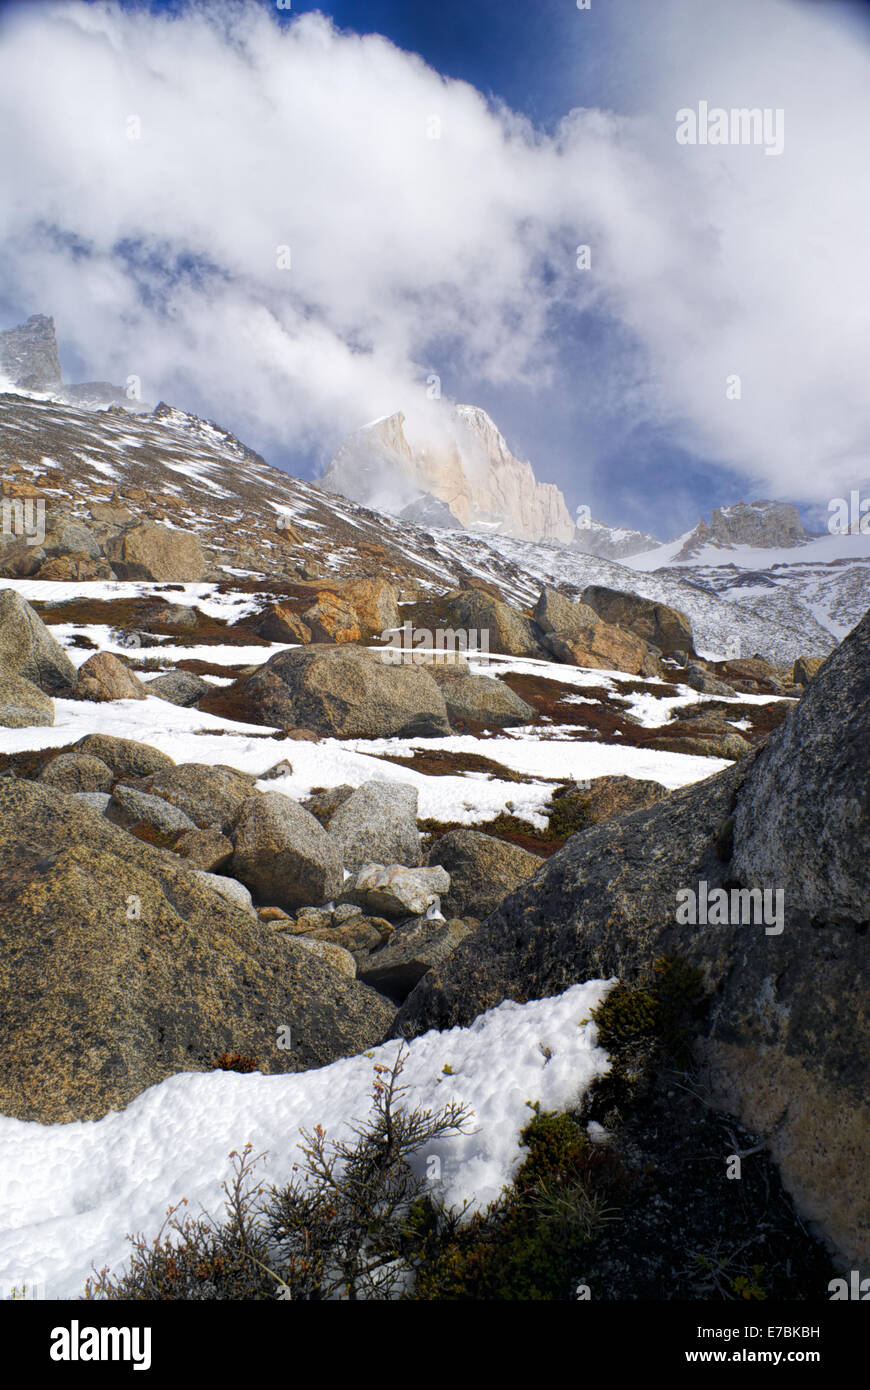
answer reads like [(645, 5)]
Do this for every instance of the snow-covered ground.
[(70, 1194)]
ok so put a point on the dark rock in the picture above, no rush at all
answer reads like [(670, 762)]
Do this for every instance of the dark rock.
[(414, 948)]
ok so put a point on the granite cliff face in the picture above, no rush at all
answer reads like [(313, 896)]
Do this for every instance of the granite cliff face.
[(471, 471)]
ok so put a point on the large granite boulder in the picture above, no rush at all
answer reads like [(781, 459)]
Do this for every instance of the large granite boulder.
[(125, 756), (657, 623), (283, 854), (777, 847), (377, 821), (103, 677), (482, 869), (600, 646), (153, 551), (482, 701), (490, 625), (337, 691), (212, 797), (120, 967), (28, 649), (556, 613)]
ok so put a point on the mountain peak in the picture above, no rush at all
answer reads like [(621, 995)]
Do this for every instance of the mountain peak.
[(464, 464)]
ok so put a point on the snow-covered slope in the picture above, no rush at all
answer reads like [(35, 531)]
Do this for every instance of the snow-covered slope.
[(69, 1194), (822, 582)]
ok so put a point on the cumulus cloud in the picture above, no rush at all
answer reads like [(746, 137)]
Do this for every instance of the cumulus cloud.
[(153, 167)]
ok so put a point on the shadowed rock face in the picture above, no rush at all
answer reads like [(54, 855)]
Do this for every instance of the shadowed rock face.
[(119, 967), (786, 1046), (804, 818)]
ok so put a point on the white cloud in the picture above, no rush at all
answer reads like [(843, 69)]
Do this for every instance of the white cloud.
[(718, 260)]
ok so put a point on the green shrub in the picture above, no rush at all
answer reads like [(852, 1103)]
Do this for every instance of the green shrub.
[(525, 1245)]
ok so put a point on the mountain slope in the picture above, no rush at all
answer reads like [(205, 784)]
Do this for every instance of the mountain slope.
[(255, 521)]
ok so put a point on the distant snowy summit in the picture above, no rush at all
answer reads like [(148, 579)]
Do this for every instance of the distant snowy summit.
[(29, 362), (465, 477)]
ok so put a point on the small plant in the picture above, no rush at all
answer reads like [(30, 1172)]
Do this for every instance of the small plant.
[(526, 1245), (656, 1017), (234, 1061), (349, 1225)]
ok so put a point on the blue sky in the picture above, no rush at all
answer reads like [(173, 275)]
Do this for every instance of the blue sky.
[(620, 402)]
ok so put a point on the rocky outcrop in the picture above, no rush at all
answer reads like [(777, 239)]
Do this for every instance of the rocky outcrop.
[(785, 1046), (28, 649), (28, 355), (469, 469), (135, 969), (339, 691), (767, 525)]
